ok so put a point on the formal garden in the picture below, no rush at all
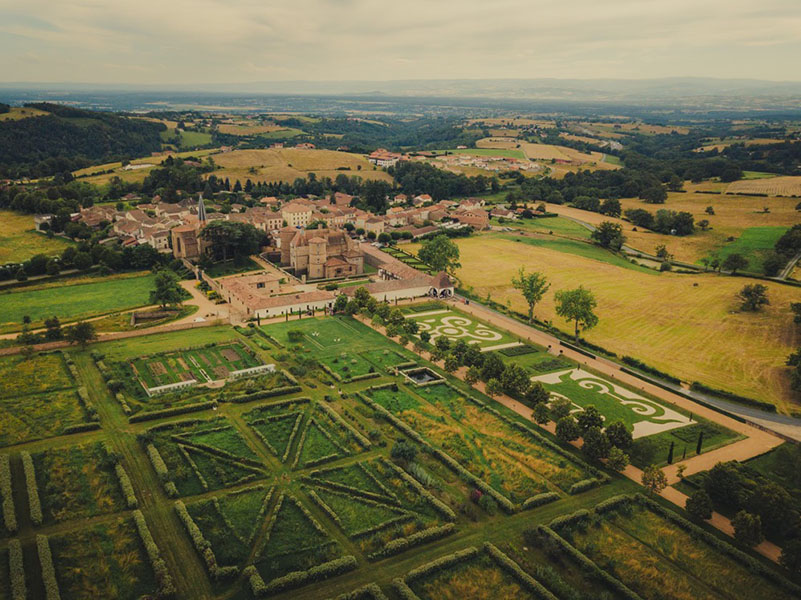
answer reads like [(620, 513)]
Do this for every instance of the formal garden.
[(453, 325), (334, 477)]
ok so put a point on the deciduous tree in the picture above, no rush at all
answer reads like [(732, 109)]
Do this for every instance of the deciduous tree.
[(533, 287), (577, 306)]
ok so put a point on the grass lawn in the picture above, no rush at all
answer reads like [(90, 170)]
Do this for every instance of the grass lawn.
[(19, 240), (557, 225), (165, 342), (654, 449), (74, 301), (459, 326), (221, 269), (754, 244)]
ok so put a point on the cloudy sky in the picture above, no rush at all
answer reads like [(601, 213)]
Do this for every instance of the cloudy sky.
[(194, 41)]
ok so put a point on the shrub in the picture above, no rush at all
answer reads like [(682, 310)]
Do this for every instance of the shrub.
[(163, 577), (318, 573), (33, 491), (48, 572), (416, 539), (16, 570), (125, 486), (540, 499), (6, 494)]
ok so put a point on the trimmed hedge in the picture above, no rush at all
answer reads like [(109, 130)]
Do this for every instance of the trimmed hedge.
[(299, 578), (416, 539), (81, 427), (613, 504), (279, 391), (48, 572), (16, 569), (622, 592), (583, 486), (203, 546), (125, 486), (91, 411), (171, 412), (163, 577), (6, 494), (700, 387), (403, 591), (564, 520), (371, 591), (511, 567), (33, 491), (638, 364), (438, 505), (162, 471), (337, 418), (540, 500), (441, 563)]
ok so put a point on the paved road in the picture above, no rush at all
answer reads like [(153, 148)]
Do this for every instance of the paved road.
[(789, 267)]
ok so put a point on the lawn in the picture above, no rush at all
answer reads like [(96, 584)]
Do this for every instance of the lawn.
[(19, 241), (454, 325), (74, 301), (755, 243), (102, 561), (694, 318), (166, 342), (557, 225), (222, 269)]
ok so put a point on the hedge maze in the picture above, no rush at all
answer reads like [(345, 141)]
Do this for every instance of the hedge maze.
[(318, 482)]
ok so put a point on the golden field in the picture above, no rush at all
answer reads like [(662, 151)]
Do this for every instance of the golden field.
[(20, 112), (686, 325), (774, 186), (287, 164), (95, 175)]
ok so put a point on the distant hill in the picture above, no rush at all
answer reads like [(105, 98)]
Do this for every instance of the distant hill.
[(68, 138)]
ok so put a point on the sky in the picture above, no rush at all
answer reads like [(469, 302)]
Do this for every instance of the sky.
[(228, 41)]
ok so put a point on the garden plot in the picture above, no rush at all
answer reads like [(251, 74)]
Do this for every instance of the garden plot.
[(104, 561), (643, 416), (77, 482), (303, 434), (336, 334), (206, 364), (455, 326), (659, 558), (375, 503), (192, 457), (39, 416), (20, 376), (486, 574), (512, 463)]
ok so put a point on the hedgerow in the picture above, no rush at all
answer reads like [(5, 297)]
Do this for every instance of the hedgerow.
[(91, 411), (442, 563), (515, 571), (16, 569), (337, 418), (298, 578), (416, 539), (33, 491), (81, 427), (279, 391), (203, 546), (166, 587), (368, 592), (577, 517), (162, 471), (583, 486), (125, 486), (48, 572), (171, 412), (438, 505), (6, 493), (539, 500), (622, 592)]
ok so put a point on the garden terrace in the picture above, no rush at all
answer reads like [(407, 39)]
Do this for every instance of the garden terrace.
[(454, 325), (511, 462)]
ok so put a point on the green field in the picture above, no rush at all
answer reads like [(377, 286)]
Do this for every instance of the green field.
[(189, 139), (72, 302), (755, 243), (19, 240), (557, 225)]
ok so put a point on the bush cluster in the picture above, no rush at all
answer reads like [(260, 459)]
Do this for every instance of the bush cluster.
[(171, 412), (416, 539), (16, 570), (540, 499), (203, 546), (166, 587), (33, 491), (6, 494), (48, 572)]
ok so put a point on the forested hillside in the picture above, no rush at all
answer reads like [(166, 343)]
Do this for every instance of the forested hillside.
[(68, 138)]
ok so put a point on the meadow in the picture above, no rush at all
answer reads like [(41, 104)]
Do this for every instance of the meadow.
[(557, 225), (694, 317), (287, 164), (71, 301), (19, 240)]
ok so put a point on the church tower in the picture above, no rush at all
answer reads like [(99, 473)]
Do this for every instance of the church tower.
[(201, 210)]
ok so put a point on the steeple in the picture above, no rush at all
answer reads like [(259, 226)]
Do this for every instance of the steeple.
[(201, 210)]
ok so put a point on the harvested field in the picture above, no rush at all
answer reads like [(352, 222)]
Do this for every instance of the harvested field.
[(19, 241), (693, 323), (773, 186)]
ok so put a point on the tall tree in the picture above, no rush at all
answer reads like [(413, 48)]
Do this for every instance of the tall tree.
[(81, 333), (734, 262), (232, 239), (577, 306), (167, 290), (654, 479), (609, 235), (440, 253), (533, 287), (754, 296)]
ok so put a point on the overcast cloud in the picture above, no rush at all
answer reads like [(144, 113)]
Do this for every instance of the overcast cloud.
[(196, 41)]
